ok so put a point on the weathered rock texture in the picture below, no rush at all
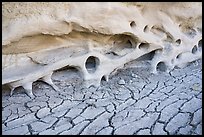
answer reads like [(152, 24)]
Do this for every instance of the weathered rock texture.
[(95, 38)]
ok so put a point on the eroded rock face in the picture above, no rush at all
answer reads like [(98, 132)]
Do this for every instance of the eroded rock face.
[(95, 38)]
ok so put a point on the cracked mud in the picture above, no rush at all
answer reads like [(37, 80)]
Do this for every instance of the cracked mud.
[(133, 102)]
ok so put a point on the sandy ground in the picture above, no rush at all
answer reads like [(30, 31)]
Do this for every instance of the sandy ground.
[(132, 102)]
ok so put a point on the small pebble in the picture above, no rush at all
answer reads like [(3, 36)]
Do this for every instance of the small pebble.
[(134, 75), (121, 82)]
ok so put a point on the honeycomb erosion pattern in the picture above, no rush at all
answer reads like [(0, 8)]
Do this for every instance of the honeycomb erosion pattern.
[(95, 38)]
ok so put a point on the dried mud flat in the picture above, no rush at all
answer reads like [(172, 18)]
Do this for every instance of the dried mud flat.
[(133, 101)]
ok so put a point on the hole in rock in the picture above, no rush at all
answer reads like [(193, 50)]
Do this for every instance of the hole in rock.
[(161, 66), (103, 78), (92, 64), (194, 49), (148, 56), (133, 24), (144, 46), (146, 28), (121, 48), (178, 56), (122, 44), (123, 41), (200, 44), (178, 41)]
